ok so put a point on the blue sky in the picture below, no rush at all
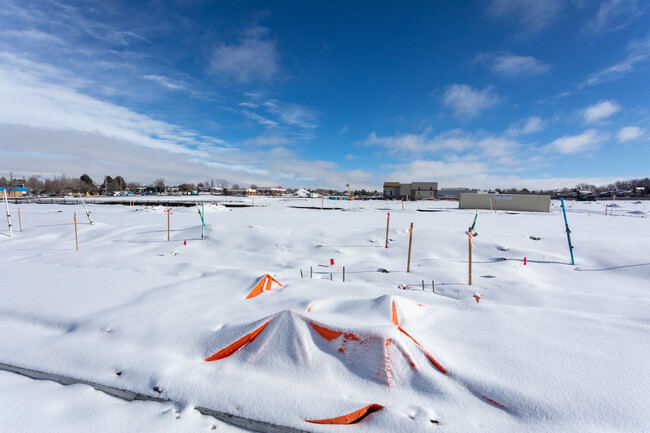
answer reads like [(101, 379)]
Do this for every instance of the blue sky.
[(487, 93)]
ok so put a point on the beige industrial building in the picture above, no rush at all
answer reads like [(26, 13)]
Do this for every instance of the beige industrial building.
[(413, 191), (514, 202)]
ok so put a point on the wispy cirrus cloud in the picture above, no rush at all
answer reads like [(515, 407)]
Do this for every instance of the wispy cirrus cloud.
[(531, 16), (253, 58), (276, 114), (639, 52), (512, 65), (529, 126), (166, 82), (292, 114), (614, 15), (467, 102), (260, 119), (600, 111), (586, 142)]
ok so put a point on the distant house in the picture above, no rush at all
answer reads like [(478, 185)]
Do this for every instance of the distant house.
[(412, 191), (304, 193), (241, 192), (14, 191), (266, 190)]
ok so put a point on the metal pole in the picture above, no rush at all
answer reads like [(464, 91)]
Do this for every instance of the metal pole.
[(568, 232), (11, 232), (87, 213)]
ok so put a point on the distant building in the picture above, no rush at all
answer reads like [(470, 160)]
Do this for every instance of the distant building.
[(266, 190), (241, 192), (412, 191), (453, 193), (304, 193), (513, 202), (13, 191)]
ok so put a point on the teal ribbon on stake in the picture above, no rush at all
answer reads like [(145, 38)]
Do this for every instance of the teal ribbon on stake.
[(568, 232), (201, 214)]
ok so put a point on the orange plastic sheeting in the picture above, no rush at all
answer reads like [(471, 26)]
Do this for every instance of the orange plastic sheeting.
[(224, 353), (263, 284), (428, 355), (330, 334), (389, 375), (394, 314), (350, 418)]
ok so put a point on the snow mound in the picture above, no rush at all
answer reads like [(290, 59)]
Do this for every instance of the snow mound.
[(385, 354)]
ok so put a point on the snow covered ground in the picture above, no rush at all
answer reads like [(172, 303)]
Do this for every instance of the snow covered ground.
[(549, 347)]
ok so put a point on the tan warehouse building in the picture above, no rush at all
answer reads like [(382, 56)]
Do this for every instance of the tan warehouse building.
[(514, 202)]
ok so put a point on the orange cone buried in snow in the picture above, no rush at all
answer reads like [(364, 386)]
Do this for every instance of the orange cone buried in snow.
[(262, 285)]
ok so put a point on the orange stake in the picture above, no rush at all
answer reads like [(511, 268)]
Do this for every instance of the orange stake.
[(350, 418), (387, 224), (394, 314)]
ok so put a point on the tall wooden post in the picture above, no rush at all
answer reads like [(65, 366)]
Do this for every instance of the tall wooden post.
[(76, 237), (470, 258), (387, 224), (408, 263)]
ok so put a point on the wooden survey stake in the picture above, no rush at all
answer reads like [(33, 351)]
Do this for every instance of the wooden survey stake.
[(168, 226), (20, 223), (469, 237), (408, 263), (76, 236), (387, 224)]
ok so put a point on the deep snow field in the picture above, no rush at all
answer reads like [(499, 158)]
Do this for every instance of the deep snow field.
[(549, 347)]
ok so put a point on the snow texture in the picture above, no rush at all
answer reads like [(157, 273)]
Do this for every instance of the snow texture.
[(549, 347)]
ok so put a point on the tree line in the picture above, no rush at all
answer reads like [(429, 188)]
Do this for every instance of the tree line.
[(64, 184), (620, 186)]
